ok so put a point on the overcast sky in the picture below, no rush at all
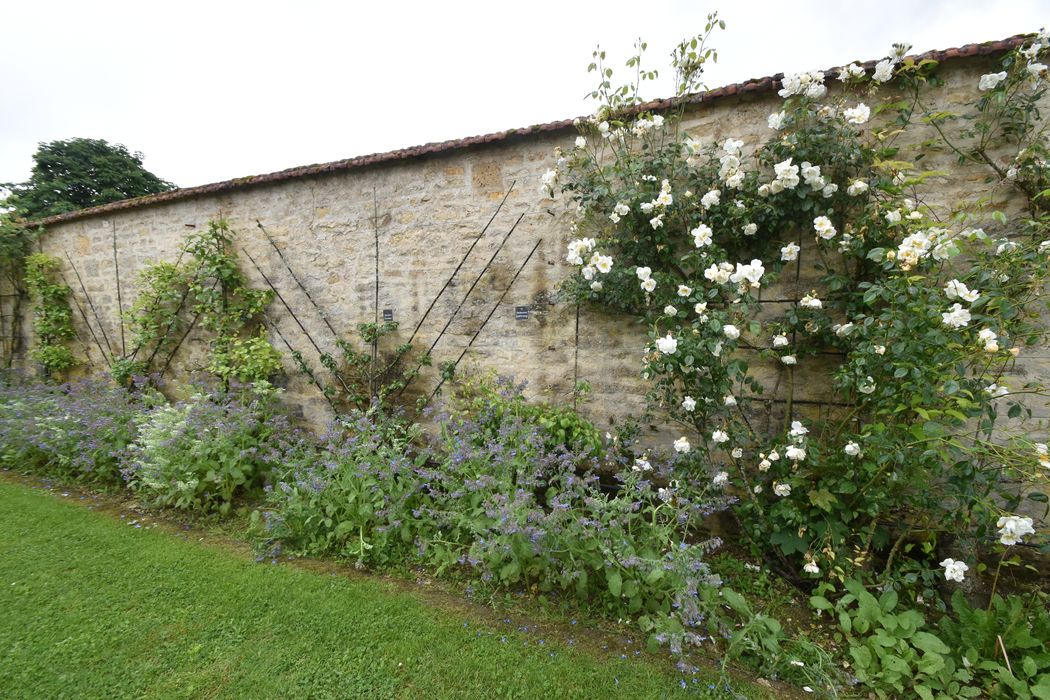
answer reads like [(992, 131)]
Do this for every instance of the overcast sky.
[(215, 90)]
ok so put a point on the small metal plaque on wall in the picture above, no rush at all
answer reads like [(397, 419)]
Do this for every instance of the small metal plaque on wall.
[(521, 313), (388, 314)]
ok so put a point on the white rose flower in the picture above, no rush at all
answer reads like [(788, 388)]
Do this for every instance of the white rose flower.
[(811, 174), (670, 310), (956, 317), (822, 225), (581, 142), (857, 188), (989, 338), (681, 445), (880, 349), (596, 286), (720, 273), (858, 114), (989, 81), (548, 179), (810, 302), (1012, 528), (780, 341), (657, 221), (852, 449), (619, 211), (811, 567), (750, 229), (643, 273), (702, 235), (789, 360), (750, 273), (720, 479), (689, 404), (642, 465), (782, 490), (684, 291), (719, 436), (731, 331), (790, 252), (842, 329), (776, 120), (795, 453), (797, 429), (957, 290), (883, 71), (710, 199), (667, 345), (649, 284), (737, 453), (996, 390), (786, 176), (701, 309), (850, 72), (867, 386), (729, 400), (764, 465), (954, 570)]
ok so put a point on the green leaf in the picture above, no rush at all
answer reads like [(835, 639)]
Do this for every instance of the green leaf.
[(735, 601), (654, 576), (861, 656), (929, 643), (615, 582), (823, 499), (930, 663)]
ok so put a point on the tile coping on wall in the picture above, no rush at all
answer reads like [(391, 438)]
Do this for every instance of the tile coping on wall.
[(755, 85)]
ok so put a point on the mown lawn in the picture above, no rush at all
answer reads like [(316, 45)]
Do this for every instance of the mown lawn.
[(91, 607)]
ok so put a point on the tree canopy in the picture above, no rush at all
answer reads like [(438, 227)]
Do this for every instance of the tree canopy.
[(79, 173)]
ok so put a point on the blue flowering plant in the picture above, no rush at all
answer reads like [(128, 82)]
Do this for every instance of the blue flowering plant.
[(79, 430)]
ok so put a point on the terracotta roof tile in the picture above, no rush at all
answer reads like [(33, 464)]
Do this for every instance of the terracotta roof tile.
[(754, 85)]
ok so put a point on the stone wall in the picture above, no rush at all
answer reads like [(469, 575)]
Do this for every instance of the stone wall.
[(423, 212)]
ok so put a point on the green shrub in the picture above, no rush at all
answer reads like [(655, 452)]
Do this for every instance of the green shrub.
[(202, 453)]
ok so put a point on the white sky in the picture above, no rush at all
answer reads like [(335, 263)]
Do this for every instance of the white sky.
[(214, 90)]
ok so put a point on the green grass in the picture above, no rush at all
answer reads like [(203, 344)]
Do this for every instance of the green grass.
[(92, 607)]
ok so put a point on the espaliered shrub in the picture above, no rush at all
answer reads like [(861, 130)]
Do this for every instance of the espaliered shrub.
[(205, 289), (52, 317)]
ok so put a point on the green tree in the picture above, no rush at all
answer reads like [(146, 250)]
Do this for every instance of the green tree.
[(80, 173)]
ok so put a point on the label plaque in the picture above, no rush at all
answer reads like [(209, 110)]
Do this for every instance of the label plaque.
[(521, 313)]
